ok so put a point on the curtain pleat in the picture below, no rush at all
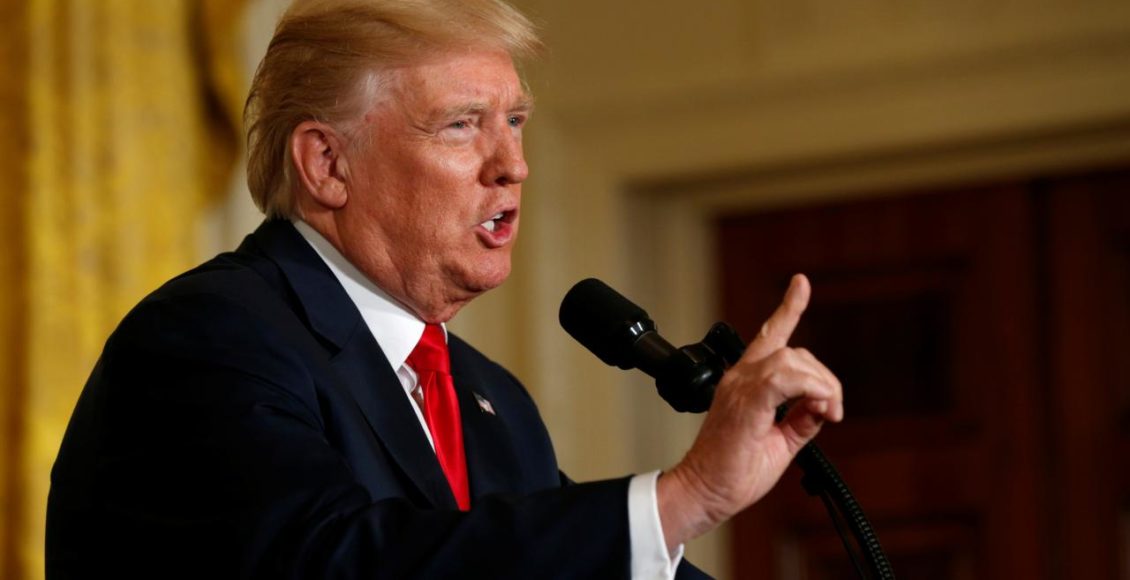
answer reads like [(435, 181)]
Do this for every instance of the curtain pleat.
[(125, 120)]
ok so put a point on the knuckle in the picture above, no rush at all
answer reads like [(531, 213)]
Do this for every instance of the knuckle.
[(773, 378), (782, 355), (790, 358)]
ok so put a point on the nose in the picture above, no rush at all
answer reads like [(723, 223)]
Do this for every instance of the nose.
[(507, 164)]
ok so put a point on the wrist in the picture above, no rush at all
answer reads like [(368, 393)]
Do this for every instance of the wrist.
[(683, 513)]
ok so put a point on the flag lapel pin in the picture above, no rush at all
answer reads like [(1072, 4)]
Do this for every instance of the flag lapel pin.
[(484, 404)]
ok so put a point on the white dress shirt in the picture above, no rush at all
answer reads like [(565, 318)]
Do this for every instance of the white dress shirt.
[(397, 330)]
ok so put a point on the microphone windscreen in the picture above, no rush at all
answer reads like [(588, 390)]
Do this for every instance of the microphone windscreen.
[(599, 317)]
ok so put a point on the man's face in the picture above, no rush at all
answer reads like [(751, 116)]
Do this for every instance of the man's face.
[(434, 182)]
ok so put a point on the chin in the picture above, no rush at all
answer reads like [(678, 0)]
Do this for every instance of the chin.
[(487, 278), (490, 282), (461, 285)]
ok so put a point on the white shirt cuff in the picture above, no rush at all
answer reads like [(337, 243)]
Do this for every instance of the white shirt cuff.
[(650, 559)]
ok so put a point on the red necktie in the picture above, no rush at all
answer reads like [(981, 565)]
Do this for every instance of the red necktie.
[(441, 409)]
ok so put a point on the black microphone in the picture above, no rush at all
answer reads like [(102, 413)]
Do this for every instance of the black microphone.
[(623, 335)]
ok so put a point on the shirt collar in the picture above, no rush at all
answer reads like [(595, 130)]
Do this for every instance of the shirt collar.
[(396, 328)]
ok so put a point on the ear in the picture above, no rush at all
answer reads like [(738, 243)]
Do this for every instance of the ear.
[(316, 152)]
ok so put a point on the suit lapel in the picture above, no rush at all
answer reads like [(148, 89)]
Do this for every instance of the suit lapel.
[(377, 391), (364, 371), (492, 465)]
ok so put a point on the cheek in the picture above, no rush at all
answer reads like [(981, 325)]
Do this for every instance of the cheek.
[(455, 169), (447, 185), (456, 166)]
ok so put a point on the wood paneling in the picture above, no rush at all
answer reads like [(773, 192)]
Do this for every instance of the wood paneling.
[(1088, 337), (982, 338)]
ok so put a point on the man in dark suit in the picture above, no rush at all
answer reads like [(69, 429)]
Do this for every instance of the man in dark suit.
[(270, 414)]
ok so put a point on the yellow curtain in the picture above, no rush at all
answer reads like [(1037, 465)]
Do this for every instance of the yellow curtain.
[(119, 121)]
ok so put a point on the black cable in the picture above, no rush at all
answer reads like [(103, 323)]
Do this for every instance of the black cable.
[(825, 480), (852, 549)]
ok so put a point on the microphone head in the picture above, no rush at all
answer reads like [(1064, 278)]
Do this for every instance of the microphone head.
[(603, 321)]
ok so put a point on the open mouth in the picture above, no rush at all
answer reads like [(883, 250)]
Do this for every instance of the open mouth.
[(499, 229), (498, 221), (492, 224)]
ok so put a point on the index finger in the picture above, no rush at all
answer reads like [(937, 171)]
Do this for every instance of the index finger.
[(776, 331)]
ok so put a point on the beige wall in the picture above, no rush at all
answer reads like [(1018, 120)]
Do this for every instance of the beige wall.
[(654, 116)]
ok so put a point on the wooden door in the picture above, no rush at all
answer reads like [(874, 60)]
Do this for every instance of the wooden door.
[(926, 306)]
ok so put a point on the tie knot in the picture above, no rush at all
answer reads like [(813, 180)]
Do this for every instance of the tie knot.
[(430, 353)]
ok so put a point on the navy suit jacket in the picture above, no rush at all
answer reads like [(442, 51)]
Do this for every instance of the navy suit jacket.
[(242, 422)]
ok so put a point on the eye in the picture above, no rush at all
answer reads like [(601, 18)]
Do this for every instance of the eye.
[(516, 120), (463, 124)]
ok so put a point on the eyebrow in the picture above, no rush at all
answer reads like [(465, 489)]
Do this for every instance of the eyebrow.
[(524, 105)]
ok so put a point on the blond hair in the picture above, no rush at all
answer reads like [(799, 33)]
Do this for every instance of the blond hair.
[(327, 56)]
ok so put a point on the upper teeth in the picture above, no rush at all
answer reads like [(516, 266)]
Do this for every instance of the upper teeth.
[(490, 224)]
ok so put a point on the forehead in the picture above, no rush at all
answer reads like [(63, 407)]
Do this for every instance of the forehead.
[(480, 78)]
